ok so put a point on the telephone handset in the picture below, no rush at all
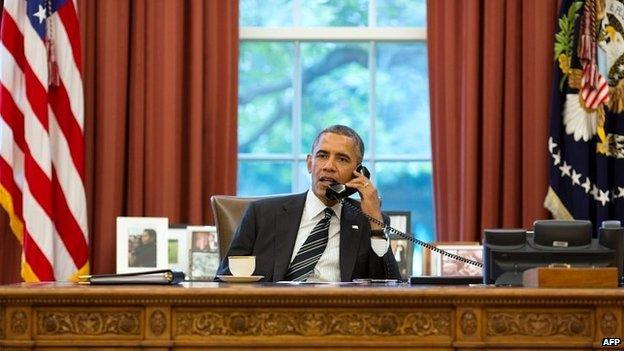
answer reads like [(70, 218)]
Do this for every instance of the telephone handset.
[(340, 191)]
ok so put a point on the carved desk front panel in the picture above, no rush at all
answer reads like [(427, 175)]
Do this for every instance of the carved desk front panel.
[(59, 316)]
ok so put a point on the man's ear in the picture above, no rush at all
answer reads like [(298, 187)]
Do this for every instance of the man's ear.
[(309, 163)]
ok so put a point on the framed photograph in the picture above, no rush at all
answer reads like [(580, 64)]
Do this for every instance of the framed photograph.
[(204, 238), (438, 265), (204, 265), (177, 248), (204, 252), (402, 248), (141, 244)]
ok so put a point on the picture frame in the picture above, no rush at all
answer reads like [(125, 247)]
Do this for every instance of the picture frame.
[(204, 256), (141, 243), (178, 248), (204, 265), (402, 248), (435, 264), (203, 238)]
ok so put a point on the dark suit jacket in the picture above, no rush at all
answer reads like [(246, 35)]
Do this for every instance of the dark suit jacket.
[(145, 255), (268, 230)]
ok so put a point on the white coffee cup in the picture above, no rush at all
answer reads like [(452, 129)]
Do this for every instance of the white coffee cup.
[(242, 266)]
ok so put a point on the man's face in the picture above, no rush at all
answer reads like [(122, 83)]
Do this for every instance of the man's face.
[(146, 238), (333, 160)]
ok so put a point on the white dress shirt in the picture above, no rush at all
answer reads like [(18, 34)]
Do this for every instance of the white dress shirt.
[(328, 267)]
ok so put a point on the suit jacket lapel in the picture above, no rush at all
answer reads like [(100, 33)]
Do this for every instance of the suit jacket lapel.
[(286, 228), (350, 231)]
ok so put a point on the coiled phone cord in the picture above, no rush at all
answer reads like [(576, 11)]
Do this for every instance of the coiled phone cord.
[(411, 238)]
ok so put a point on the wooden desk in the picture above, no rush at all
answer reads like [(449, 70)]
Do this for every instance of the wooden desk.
[(212, 315)]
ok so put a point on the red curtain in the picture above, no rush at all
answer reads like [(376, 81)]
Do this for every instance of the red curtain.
[(490, 69), (160, 84)]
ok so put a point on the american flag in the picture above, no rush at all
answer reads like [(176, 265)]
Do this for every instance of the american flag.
[(41, 137)]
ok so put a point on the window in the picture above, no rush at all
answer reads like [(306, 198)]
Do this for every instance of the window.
[(305, 65)]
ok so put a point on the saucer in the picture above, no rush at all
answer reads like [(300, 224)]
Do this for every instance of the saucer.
[(241, 279)]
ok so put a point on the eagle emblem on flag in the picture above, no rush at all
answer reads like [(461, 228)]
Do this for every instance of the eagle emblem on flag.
[(586, 141)]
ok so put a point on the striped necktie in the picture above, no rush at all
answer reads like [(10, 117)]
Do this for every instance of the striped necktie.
[(311, 251)]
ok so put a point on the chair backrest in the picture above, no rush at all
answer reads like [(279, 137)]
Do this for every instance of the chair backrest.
[(228, 211)]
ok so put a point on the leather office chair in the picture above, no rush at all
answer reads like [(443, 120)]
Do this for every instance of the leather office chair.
[(228, 211)]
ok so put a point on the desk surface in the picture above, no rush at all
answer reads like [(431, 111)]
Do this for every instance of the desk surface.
[(218, 315)]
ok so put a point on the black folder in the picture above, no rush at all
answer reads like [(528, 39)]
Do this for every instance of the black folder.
[(159, 277)]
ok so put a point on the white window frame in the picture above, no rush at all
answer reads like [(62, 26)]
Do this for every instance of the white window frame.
[(296, 34)]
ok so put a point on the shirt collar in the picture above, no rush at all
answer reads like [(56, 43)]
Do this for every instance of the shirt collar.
[(314, 206)]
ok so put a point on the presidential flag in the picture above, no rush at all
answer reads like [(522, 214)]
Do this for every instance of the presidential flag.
[(586, 143), (41, 137)]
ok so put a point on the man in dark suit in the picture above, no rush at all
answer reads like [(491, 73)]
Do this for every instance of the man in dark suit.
[(310, 237)]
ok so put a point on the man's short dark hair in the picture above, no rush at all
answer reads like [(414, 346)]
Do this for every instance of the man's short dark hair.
[(346, 131), (150, 232)]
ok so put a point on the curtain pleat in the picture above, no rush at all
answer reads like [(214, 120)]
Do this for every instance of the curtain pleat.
[(490, 68)]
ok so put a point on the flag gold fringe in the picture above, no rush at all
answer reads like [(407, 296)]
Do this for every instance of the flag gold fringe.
[(28, 274), (555, 206), (17, 226), (84, 270)]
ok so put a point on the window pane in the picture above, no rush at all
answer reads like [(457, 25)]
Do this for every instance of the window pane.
[(304, 180), (343, 13), (265, 97), (406, 186), (257, 178), (402, 88), (401, 13), (266, 13), (335, 88)]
